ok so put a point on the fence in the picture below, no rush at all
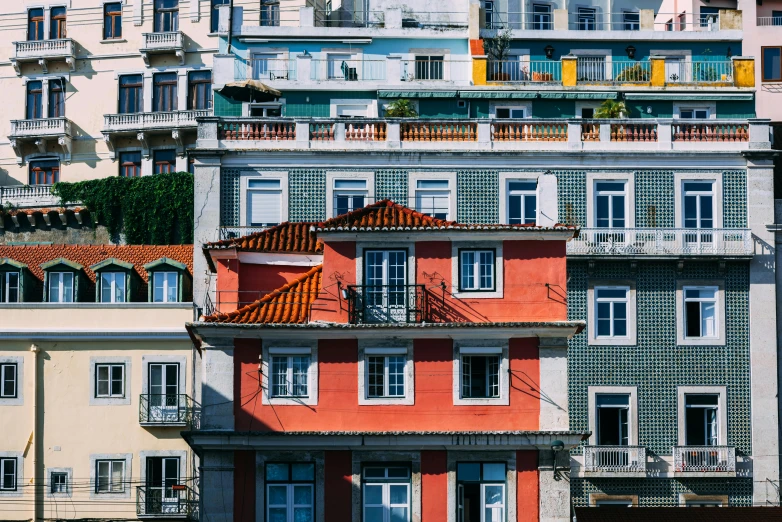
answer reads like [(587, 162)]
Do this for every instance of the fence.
[(661, 241), (539, 71), (679, 71), (704, 459), (615, 459)]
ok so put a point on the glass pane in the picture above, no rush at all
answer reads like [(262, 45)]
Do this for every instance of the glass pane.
[(373, 494), (119, 287), (278, 495), (67, 295), (432, 184), (302, 495), (398, 494), (303, 471), (302, 514), (276, 472), (264, 183), (171, 280), (468, 472), (493, 515), (493, 495), (494, 472), (398, 514), (772, 62), (604, 293), (277, 515), (350, 184), (373, 514), (105, 287), (374, 472), (612, 399)]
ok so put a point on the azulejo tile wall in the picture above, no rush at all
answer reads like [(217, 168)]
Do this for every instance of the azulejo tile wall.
[(662, 492)]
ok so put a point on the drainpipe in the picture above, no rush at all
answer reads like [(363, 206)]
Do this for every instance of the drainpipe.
[(230, 25), (34, 447)]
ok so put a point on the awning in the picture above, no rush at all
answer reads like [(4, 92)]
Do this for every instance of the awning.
[(250, 91), (499, 95), (690, 96), (416, 94), (577, 95)]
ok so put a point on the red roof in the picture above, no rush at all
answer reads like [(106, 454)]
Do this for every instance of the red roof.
[(289, 304), (292, 238)]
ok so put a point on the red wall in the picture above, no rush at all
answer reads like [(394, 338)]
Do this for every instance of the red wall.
[(527, 482), (244, 486), (239, 284), (339, 269), (434, 486)]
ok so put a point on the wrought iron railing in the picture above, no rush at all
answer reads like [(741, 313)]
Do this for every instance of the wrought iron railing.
[(176, 500), (535, 71), (615, 459), (166, 408), (661, 242), (386, 304), (704, 459)]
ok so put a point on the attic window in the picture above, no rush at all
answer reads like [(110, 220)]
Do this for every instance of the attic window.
[(61, 287), (112, 287), (9, 287), (165, 287)]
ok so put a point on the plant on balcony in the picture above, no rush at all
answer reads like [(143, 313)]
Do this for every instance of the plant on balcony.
[(497, 50), (702, 72), (150, 210), (401, 108), (611, 109), (634, 73)]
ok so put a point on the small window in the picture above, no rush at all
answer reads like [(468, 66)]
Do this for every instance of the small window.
[(57, 23), (488, 8), (502, 113), (34, 100), (112, 287), (587, 112), (61, 287), (631, 21), (44, 172), (772, 61), (109, 380), (290, 491), (215, 14), (697, 114), (165, 161), (613, 412), (683, 22), (8, 380), (264, 202), (290, 375), (480, 491), (587, 19), (480, 376), (130, 164), (476, 270), (166, 16), (7, 474), (35, 25), (541, 17), (349, 195), (709, 16), (59, 482), (611, 304), (110, 476), (385, 376), (200, 90), (429, 67), (56, 99), (698, 208), (700, 312), (164, 97), (386, 494), (669, 25), (130, 93), (270, 13), (522, 202), (165, 287), (701, 419), (9, 287), (433, 197), (112, 21)]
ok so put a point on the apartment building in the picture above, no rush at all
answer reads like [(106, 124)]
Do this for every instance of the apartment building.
[(97, 382)]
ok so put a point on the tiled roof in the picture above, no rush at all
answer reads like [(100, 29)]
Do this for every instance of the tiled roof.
[(567, 326), (682, 514), (289, 304), (292, 238), (88, 255)]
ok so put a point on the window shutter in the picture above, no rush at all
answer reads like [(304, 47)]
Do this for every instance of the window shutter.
[(265, 207)]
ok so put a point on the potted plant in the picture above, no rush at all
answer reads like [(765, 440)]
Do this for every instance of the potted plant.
[(401, 108), (611, 109), (498, 49)]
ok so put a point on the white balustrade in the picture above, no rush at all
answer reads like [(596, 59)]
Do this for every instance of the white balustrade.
[(661, 242), (40, 127), (32, 196), (615, 459), (704, 459), (167, 40), (152, 120), (43, 48)]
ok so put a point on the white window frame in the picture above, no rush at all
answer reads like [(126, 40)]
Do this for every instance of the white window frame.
[(386, 484), (4, 371), (244, 200), (288, 359), (505, 179), (258, 191), (290, 505), (627, 178), (371, 107), (7, 285), (632, 414), (113, 286), (166, 287), (415, 177), (702, 301), (61, 287), (456, 270), (719, 316), (523, 194), (111, 468), (632, 319), (110, 367), (481, 348), (3, 463), (68, 473), (367, 351), (477, 255), (332, 191), (278, 350), (722, 411), (526, 107), (428, 51), (58, 488), (612, 301), (680, 178)]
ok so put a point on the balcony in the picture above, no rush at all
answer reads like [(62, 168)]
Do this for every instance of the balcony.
[(615, 461), (42, 52), (386, 304), (769, 21), (174, 501), (171, 42), (143, 124), (39, 133), (165, 410), (28, 197), (704, 461), (661, 242)]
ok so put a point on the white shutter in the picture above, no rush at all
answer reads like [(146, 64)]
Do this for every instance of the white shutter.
[(265, 207), (359, 111)]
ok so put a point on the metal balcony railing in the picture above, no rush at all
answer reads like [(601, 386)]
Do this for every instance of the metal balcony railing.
[(535, 71), (615, 459), (386, 304), (704, 459), (175, 501), (165, 409), (40, 127), (152, 120), (661, 242), (764, 21)]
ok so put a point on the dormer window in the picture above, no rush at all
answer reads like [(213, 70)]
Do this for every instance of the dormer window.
[(169, 281), (165, 287), (12, 280), (113, 281), (62, 281), (112, 287), (60, 287)]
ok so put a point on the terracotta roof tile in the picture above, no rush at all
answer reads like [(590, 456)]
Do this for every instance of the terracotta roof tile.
[(289, 304), (293, 238)]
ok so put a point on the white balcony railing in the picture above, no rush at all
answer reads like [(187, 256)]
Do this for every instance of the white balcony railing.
[(615, 459), (704, 459), (43, 49), (765, 21), (152, 120), (40, 127), (160, 41), (661, 242), (32, 196)]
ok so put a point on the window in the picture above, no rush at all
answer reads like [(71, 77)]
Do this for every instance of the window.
[(290, 492), (34, 100), (700, 312), (429, 67), (349, 195), (488, 8), (587, 112), (480, 491), (385, 278), (215, 14), (8, 380), (586, 19), (591, 68), (611, 304), (290, 375), (480, 376), (166, 16), (165, 287), (386, 375), (61, 287), (35, 25), (614, 503), (130, 93), (8, 474), (45, 172), (109, 380), (612, 419), (130, 164), (165, 161), (165, 92), (9, 287), (200, 90), (682, 22), (509, 112), (610, 204), (112, 21), (698, 211), (264, 202), (59, 482), (110, 476), (161, 481), (631, 21), (701, 419), (57, 23), (342, 67), (476, 270), (270, 13), (690, 114), (541, 17), (669, 25), (776, 17), (56, 99), (112, 287), (772, 63), (386, 494), (270, 66), (433, 197), (710, 17), (522, 202)]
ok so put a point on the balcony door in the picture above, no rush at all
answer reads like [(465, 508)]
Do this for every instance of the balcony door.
[(611, 212), (165, 92), (163, 397), (166, 16), (162, 475), (34, 100), (385, 279), (56, 99), (612, 427), (698, 213)]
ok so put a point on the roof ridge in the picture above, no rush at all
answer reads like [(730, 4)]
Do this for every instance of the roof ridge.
[(290, 284)]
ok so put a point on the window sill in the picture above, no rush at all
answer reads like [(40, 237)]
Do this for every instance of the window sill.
[(713, 341), (113, 40), (290, 401), (386, 401), (478, 294), (493, 401), (613, 341)]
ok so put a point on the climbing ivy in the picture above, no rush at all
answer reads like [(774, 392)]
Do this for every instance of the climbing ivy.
[(150, 210)]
